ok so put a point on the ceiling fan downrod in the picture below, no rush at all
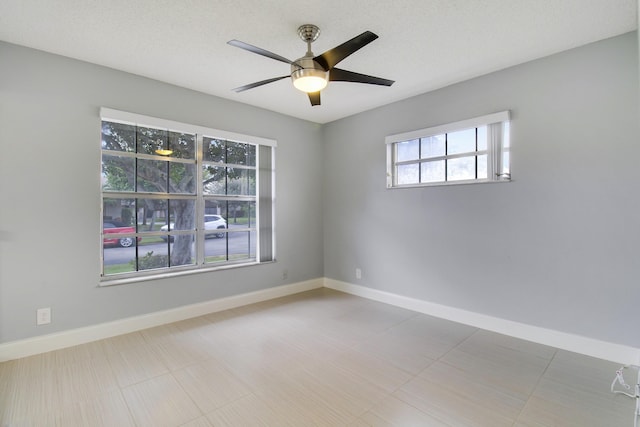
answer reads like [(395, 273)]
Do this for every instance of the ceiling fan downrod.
[(308, 33)]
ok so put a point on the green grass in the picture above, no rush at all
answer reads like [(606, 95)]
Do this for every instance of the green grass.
[(128, 268), (150, 240), (117, 269), (241, 220)]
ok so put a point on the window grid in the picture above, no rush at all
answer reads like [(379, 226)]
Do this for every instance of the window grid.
[(446, 157), (492, 158), (136, 195)]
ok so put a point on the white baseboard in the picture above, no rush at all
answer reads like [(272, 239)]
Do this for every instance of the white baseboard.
[(44, 343), (579, 344), (592, 347)]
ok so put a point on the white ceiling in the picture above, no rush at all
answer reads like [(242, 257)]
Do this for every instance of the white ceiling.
[(423, 44)]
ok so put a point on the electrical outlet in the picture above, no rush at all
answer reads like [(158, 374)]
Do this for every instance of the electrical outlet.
[(358, 274), (43, 316), (285, 274)]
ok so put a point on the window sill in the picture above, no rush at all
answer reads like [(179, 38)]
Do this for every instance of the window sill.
[(113, 281), (449, 183)]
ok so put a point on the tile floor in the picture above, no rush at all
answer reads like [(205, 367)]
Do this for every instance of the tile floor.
[(319, 358)]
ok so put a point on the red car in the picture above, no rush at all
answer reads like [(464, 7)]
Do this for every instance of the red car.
[(113, 227)]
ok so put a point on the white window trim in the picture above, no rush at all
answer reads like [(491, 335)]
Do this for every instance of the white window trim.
[(493, 144), (503, 116), (117, 116), (154, 122)]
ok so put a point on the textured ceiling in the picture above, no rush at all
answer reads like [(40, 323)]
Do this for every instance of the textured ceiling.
[(423, 44)]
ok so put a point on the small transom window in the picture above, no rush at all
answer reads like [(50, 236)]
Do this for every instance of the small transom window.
[(474, 150)]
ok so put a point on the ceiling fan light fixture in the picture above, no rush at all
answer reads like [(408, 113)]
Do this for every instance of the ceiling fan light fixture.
[(311, 73), (310, 80)]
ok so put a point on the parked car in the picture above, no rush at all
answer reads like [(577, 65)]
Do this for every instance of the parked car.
[(114, 227), (211, 222)]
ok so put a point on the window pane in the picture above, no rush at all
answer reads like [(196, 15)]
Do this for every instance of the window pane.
[(118, 137), (241, 181), (118, 259), (432, 146), (463, 141), (118, 213), (118, 173), (462, 168), (223, 181), (482, 166), (213, 150), (182, 145), (407, 150), (119, 240), (213, 179), (215, 250), (241, 244), (182, 250), (482, 138), (215, 207), (216, 218), (214, 226), (407, 174), (182, 214), (241, 213), (152, 176), (152, 214), (182, 178), (150, 140), (432, 171), (156, 258), (241, 154)]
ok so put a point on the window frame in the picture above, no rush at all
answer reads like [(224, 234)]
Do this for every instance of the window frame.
[(498, 143), (264, 225)]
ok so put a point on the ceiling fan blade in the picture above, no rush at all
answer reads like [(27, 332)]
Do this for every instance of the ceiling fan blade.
[(260, 83), (314, 97), (339, 75), (330, 58), (259, 51)]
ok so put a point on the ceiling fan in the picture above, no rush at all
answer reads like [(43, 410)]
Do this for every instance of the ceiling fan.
[(311, 73)]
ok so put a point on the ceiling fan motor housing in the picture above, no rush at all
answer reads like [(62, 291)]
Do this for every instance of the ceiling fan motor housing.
[(307, 70)]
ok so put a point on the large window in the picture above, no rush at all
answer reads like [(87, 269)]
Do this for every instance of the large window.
[(182, 198), (474, 150)]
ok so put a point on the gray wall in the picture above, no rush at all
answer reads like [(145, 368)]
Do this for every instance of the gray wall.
[(557, 247), (50, 199)]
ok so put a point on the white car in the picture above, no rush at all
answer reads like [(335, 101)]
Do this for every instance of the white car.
[(211, 222)]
